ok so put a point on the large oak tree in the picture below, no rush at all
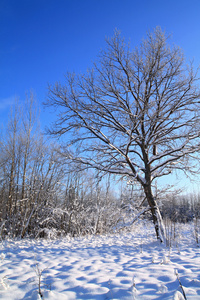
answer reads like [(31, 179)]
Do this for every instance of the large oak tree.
[(135, 113)]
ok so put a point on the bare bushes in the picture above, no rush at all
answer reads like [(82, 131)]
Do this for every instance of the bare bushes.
[(29, 172), (39, 197), (178, 210)]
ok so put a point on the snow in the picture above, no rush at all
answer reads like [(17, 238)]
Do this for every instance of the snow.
[(120, 266)]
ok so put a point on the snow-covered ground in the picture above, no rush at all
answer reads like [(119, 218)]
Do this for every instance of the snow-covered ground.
[(123, 266)]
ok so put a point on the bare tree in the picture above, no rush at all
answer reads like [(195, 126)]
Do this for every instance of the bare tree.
[(30, 170), (135, 114), (28, 125)]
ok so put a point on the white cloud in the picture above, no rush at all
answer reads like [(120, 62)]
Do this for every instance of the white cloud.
[(7, 102)]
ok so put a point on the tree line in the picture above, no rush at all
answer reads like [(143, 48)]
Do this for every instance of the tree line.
[(134, 117), (39, 193)]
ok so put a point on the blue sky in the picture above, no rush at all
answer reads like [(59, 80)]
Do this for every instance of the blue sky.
[(40, 40)]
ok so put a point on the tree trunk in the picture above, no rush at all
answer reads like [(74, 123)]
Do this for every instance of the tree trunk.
[(157, 218), (11, 187)]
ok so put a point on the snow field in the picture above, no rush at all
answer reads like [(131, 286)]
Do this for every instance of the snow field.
[(121, 266)]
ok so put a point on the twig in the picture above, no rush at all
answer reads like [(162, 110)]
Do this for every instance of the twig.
[(176, 273)]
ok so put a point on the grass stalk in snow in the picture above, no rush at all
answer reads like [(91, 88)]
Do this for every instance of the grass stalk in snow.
[(181, 286), (39, 273), (133, 288), (110, 290)]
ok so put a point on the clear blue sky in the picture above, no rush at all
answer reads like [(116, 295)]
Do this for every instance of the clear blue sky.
[(40, 40)]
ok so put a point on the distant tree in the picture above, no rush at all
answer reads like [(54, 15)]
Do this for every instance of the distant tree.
[(135, 114), (30, 170)]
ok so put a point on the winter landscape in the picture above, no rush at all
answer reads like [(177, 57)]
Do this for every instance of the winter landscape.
[(100, 159), (123, 266)]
